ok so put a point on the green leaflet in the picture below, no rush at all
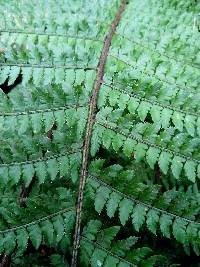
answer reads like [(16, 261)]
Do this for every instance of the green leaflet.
[(177, 165), (15, 174), (9, 242), (138, 216), (165, 224), (48, 231), (82, 114), (63, 165), (107, 138), (91, 229), (103, 94), (58, 225), (95, 140), (35, 235), (179, 230), (112, 203), (117, 142), (52, 168), (86, 253), (139, 254), (190, 170), (11, 123), (113, 97), (48, 120), (155, 112), (41, 172), (37, 75), (152, 156), (132, 105), (22, 240), (13, 74), (36, 122), (123, 100), (152, 220), (165, 117), (28, 173), (98, 257), (4, 176), (164, 161), (106, 236), (74, 166), (60, 118), (111, 261), (129, 146), (23, 122), (80, 76), (189, 123), (4, 74), (125, 208), (27, 74), (69, 220), (140, 151), (191, 232), (101, 198), (177, 119), (143, 110), (48, 75), (59, 76)]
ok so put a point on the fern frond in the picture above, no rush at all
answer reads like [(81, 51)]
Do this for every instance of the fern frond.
[(148, 85), (62, 164), (99, 116), (166, 115), (133, 144), (170, 39), (97, 251), (154, 215), (93, 20), (51, 228)]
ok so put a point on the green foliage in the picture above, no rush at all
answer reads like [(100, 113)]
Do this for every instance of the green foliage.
[(117, 252), (159, 213), (141, 196)]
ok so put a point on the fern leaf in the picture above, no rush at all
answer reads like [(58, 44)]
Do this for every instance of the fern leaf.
[(125, 208), (35, 235), (138, 216)]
